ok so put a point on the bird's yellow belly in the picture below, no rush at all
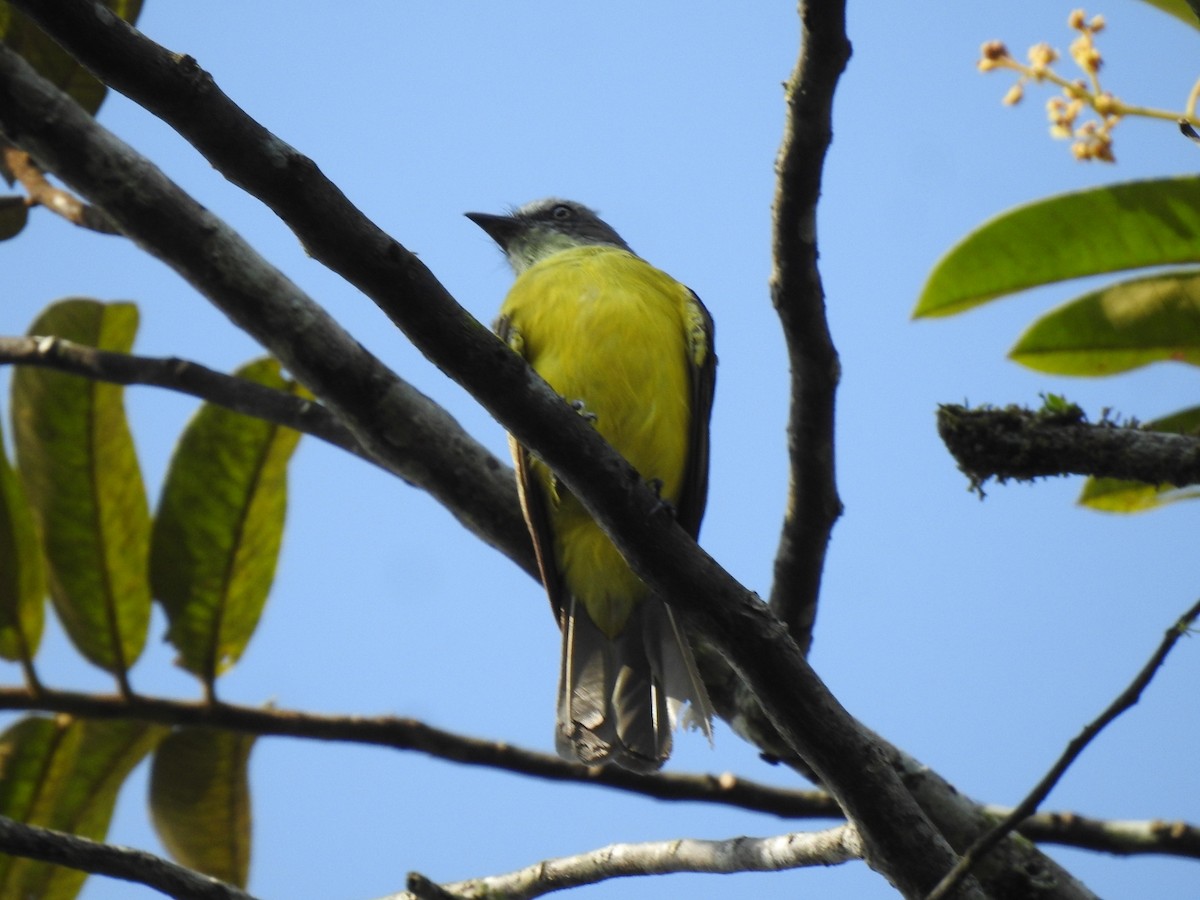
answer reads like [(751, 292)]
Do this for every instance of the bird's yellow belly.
[(619, 354)]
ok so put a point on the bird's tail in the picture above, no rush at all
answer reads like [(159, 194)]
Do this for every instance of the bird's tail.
[(619, 698)]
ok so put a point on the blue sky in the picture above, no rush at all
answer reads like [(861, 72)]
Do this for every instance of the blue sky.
[(979, 636)]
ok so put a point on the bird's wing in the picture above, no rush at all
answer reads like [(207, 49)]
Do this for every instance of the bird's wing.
[(533, 498), (702, 366)]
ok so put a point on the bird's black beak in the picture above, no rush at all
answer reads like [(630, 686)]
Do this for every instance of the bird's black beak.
[(500, 229)]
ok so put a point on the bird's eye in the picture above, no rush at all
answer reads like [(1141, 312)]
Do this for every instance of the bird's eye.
[(561, 212)]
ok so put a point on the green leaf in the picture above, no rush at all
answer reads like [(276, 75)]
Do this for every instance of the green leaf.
[(1109, 229), (14, 215), (1121, 327), (51, 61), (37, 756), (64, 774), (22, 570), (78, 464), (219, 527), (200, 801), (1117, 496), (1185, 10)]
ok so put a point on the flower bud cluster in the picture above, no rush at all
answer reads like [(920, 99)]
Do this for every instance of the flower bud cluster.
[(1090, 139)]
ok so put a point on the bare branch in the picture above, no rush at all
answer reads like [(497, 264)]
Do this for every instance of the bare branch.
[(41, 192), (409, 734), (1119, 837), (185, 377), (1023, 444), (799, 298), (115, 862), (742, 854), (1029, 805), (1126, 838)]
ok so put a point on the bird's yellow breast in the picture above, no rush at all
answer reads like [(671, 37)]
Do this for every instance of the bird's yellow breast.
[(608, 331)]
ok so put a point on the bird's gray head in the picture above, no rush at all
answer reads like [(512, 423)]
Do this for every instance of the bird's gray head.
[(532, 232)]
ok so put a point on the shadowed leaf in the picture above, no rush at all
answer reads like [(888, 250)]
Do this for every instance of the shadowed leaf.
[(1118, 328), (80, 471), (1109, 229), (1117, 496), (64, 774), (22, 570), (37, 755), (14, 214), (219, 526), (200, 801), (1185, 10), (51, 61)]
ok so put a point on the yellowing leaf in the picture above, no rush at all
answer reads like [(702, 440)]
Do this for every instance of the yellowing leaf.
[(80, 471), (219, 527), (22, 570)]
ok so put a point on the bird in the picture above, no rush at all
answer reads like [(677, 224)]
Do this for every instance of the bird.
[(631, 350)]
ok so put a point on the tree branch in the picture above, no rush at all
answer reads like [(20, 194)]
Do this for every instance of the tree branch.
[(1023, 444), (40, 192), (409, 734), (1029, 805), (116, 862), (399, 733), (186, 377), (799, 298), (743, 854), (899, 840), (393, 421), (1121, 838)]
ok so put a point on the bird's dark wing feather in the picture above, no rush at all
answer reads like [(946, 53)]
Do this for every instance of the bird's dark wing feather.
[(702, 365), (533, 498)]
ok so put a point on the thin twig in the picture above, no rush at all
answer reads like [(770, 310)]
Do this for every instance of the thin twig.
[(1132, 837), (186, 377), (409, 734), (1029, 805), (743, 854), (115, 862), (40, 192)]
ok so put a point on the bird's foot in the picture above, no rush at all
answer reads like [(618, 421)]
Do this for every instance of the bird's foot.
[(581, 407)]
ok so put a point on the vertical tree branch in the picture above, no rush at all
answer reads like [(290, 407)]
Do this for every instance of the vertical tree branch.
[(799, 298)]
